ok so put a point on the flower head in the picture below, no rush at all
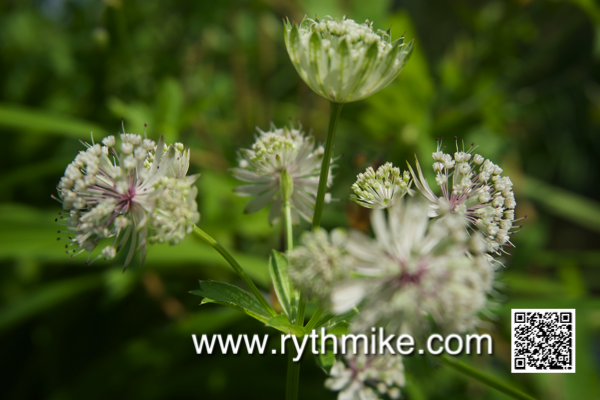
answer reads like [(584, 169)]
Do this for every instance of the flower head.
[(135, 190), (367, 377), (319, 263), (415, 269), (273, 152), (382, 188), (472, 187), (344, 61)]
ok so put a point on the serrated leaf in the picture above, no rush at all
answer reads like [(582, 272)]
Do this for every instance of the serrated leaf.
[(278, 268), (231, 296)]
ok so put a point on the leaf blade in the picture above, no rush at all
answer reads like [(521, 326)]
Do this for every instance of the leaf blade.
[(278, 266), (231, 296)]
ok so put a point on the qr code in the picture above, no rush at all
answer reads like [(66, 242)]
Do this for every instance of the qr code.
[(543, 340)]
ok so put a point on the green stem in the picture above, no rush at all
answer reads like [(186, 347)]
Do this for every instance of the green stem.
[(334, 115), (237, 267), (488, 380), (293, 372), (289, 236)]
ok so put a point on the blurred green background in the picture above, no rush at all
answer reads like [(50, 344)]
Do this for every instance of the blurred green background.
[(520, 78)]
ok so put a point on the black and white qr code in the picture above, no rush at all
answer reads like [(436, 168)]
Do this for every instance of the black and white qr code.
[(543, 340)]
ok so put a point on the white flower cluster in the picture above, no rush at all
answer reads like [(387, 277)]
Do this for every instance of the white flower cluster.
[(415, 270), (367, 377), (319, 263), (344, 61), (121, 190), (474, 188), (382, 188), (274, 151)]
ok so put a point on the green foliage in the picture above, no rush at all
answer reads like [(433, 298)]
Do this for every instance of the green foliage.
[(43, 123), (231, 296), (520, 79), (281, 322), (279, 277)]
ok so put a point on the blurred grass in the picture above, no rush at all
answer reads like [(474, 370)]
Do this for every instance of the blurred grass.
[(520, 79), (40, 122)]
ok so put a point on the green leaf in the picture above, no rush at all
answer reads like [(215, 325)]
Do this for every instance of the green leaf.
[(329, 321), (231, 296), (573, 207), (43, 122), (278, 268), (281, 323), (325, 361)]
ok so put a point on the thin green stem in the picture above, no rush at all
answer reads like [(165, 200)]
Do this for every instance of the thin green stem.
[(237, 267), (289, 235), (293, 374), (488, 380), (334, 116)]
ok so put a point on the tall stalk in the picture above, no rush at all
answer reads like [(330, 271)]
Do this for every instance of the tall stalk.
[(293, 376), (293, 372), (334, 116)]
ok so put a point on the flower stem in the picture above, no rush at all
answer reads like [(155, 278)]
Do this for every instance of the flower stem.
[(488, 380), (237, 267), (289, 237), (293, 372), (334, 116)]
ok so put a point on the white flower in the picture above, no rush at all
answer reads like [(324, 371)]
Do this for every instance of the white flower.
[(274, 151), (366, 377), (474, 188), (139, 194), (344, 61), (382, 188), (415, 269), (319, 263)]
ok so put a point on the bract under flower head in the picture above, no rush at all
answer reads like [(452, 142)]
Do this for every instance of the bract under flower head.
[(365, 377), (472, 187), (415, 269), (319, 263), (382, 188), (134, 191), (274, 151), (344, 61)]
